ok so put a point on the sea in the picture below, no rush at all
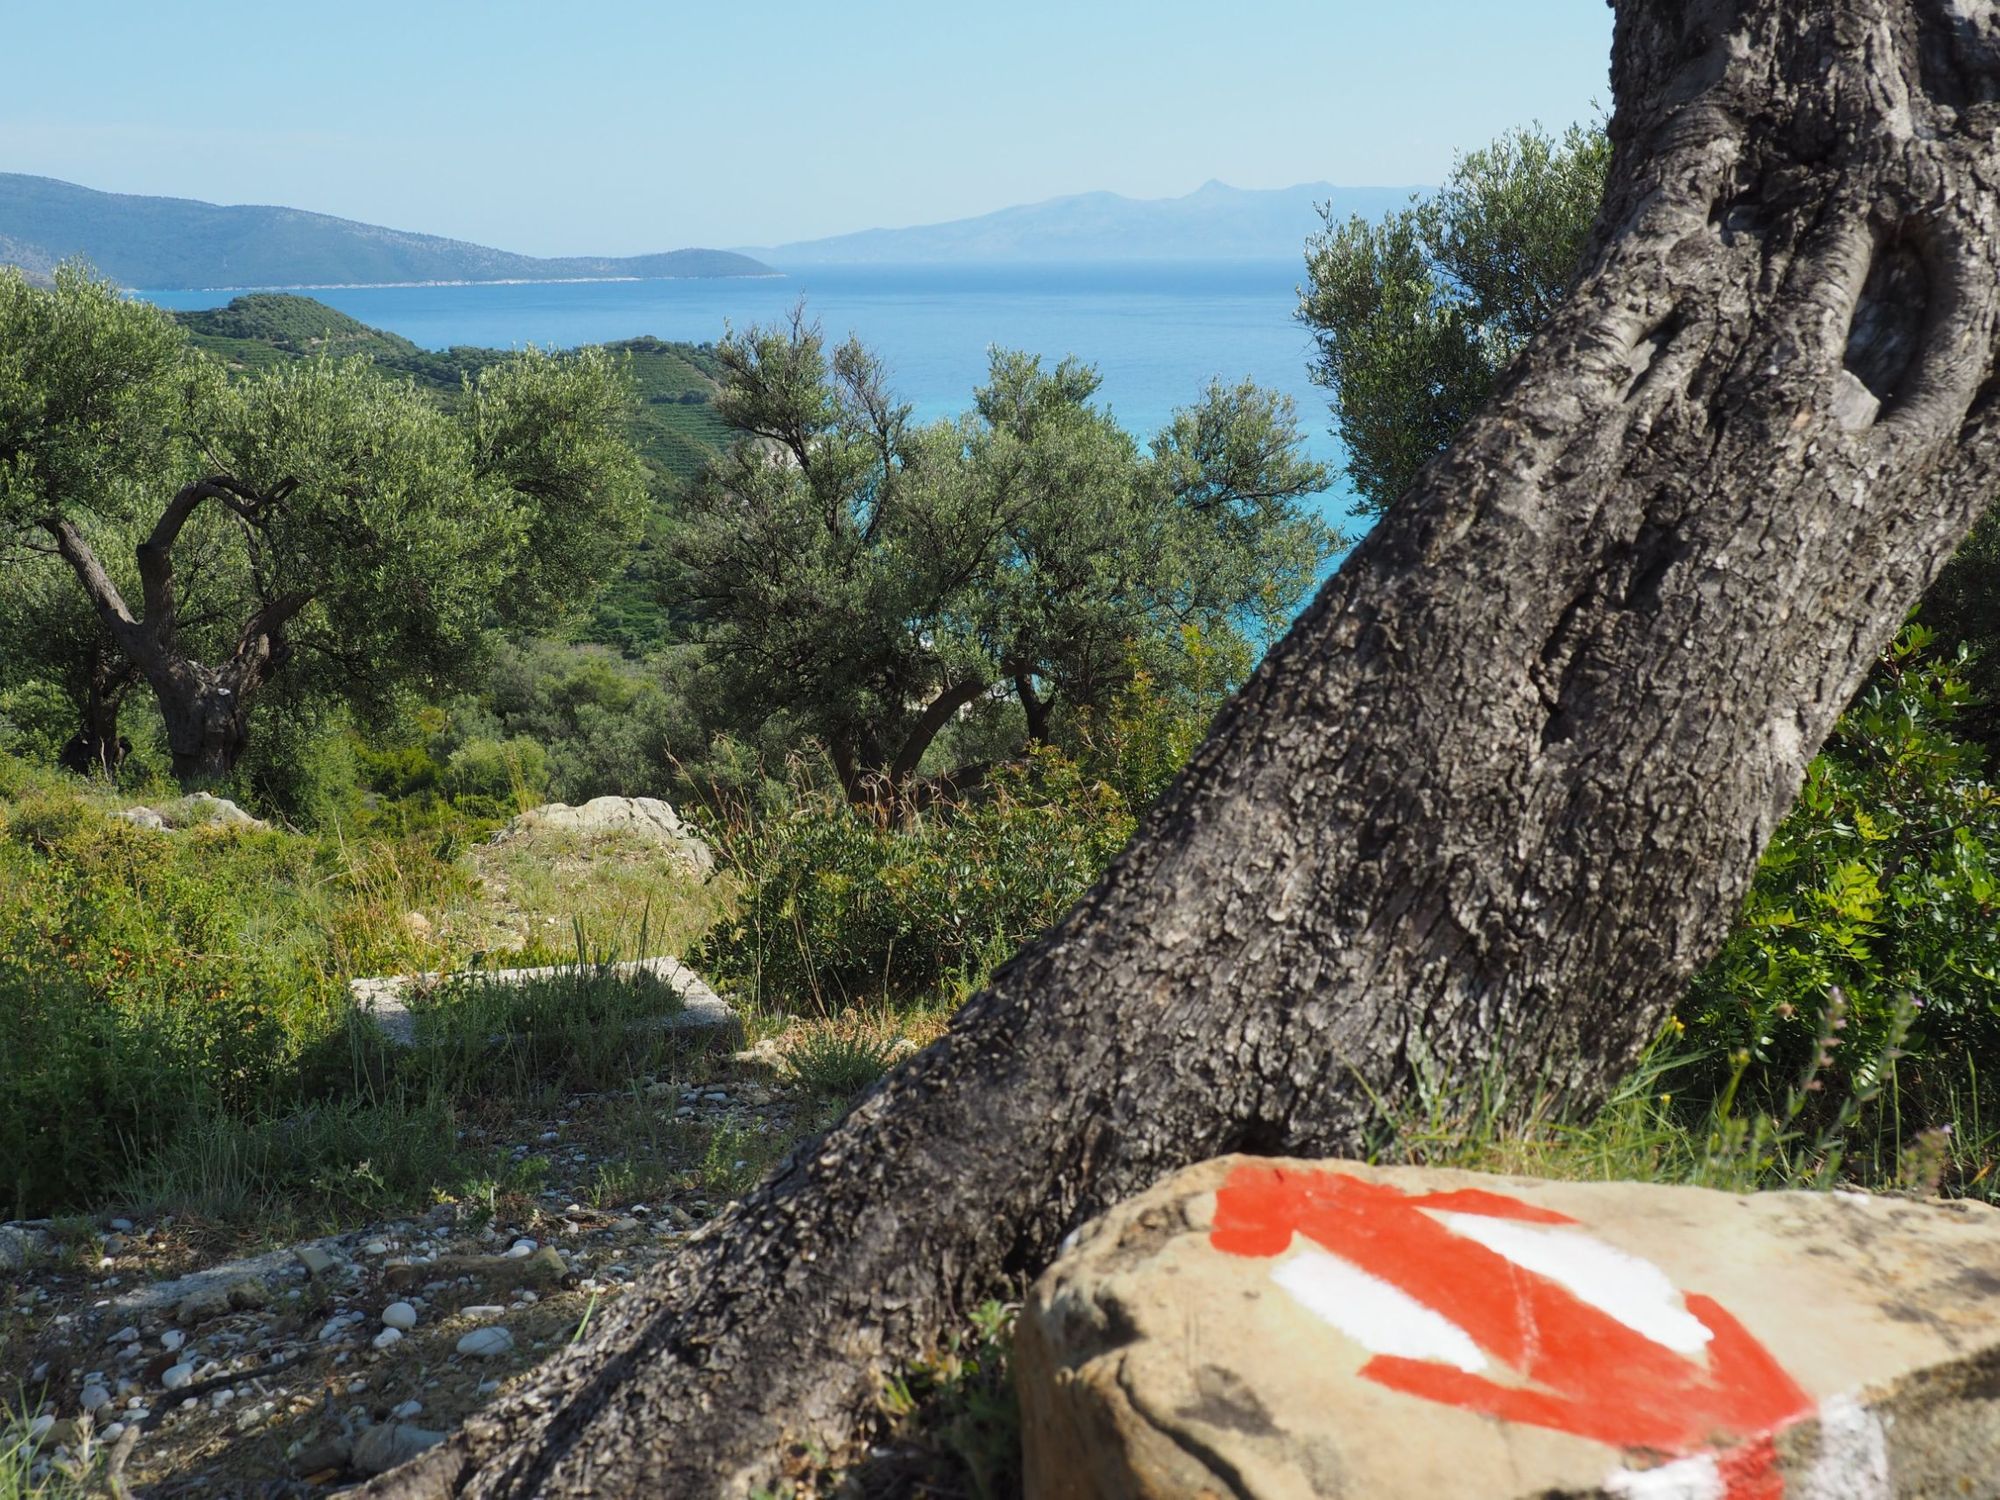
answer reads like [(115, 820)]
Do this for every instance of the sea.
[(1157, 332)]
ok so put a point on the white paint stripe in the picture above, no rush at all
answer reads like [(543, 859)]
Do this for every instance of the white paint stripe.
[(1697, 1478), (1853, 1462), (1635, 1292), (1383, 1319)]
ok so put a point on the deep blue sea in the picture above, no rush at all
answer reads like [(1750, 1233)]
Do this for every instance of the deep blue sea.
[(1157, 332)]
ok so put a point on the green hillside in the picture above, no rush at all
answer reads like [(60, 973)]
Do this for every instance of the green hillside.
[(145, 241), (673, 426)]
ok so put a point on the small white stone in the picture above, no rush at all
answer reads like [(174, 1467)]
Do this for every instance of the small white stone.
[(172, 1339), (388, 1337), (123, 1226), (399, 1315), (39, 1428), (222, 1397), (94, 1398), (375, 1247), (407, 1410), (485, 1343), (125, 1335), (178, 1377), (114, 1432)]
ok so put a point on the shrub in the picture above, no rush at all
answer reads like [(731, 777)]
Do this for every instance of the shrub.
[(1882, 885), (841, 910)]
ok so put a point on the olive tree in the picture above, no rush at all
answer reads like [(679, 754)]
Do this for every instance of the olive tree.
[(863, 580), (317, 519)]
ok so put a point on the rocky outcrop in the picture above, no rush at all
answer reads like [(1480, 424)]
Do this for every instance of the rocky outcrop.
[(1262, 1328), (196, 810), (644, 818)]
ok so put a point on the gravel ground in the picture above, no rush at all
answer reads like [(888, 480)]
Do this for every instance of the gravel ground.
[(197, 1369)]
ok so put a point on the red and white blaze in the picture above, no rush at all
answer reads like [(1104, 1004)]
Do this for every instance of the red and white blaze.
[(1480, 1301)]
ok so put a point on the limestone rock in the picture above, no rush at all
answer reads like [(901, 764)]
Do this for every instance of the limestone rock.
[(645, 818), (1262, 1328), (24, 1240), (199, 809), (380, 1449), (386, 1001), (486, 1343)]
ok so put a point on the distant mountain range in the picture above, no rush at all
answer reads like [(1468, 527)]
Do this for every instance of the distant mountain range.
[(1214, 222), (172, 243)]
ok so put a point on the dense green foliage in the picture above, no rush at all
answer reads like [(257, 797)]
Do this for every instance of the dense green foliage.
[(670, 422), (841, 908), (867, 583), (1882, 886), (1415, 316), (318, 519)]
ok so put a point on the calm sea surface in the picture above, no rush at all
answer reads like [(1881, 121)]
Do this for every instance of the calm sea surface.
[(1157, 333)]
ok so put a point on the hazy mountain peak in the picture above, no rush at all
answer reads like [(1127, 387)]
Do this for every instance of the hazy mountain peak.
[(1214, 222)]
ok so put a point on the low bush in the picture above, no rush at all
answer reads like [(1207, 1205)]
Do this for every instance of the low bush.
[(841, 911), (1869, 947)]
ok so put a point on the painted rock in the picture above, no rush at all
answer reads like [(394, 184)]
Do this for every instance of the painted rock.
[(1260, 1328)]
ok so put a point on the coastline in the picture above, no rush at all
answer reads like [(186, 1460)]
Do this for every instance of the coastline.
[(360, 286)]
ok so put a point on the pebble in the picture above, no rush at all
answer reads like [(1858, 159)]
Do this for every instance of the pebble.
[(522, 1249), (178, 1377), (407, 1410), (222, 1397), (388, 1337), (123, 1226), (115, 1244), (125, 1335), (114, 1432), (375, 1247), (399, 1315), (172, 1339), (483, 1310), (94, 1398), (485, 1343), (39, 1428)]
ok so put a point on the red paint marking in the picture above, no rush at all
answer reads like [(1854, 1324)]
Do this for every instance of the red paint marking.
[(1584, 1372)]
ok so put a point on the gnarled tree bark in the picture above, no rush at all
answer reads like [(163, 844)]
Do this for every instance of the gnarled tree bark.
[(206, 709), (1490, 802)]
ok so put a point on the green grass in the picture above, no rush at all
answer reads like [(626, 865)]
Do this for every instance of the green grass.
[(174, 1020)]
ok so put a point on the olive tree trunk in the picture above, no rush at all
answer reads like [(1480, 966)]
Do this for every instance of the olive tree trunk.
[(1487, 806)]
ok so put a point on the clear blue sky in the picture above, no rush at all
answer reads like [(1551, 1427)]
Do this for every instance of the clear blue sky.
[(622, 126)]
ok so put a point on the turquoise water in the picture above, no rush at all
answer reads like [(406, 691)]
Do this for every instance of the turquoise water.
[(1157, 332)]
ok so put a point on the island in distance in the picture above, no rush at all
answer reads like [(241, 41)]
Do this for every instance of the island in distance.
[(164, 244), (1215, 222)]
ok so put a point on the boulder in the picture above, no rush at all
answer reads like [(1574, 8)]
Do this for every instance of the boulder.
[(644, 818), (1262, 1328), (24, 1240)]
